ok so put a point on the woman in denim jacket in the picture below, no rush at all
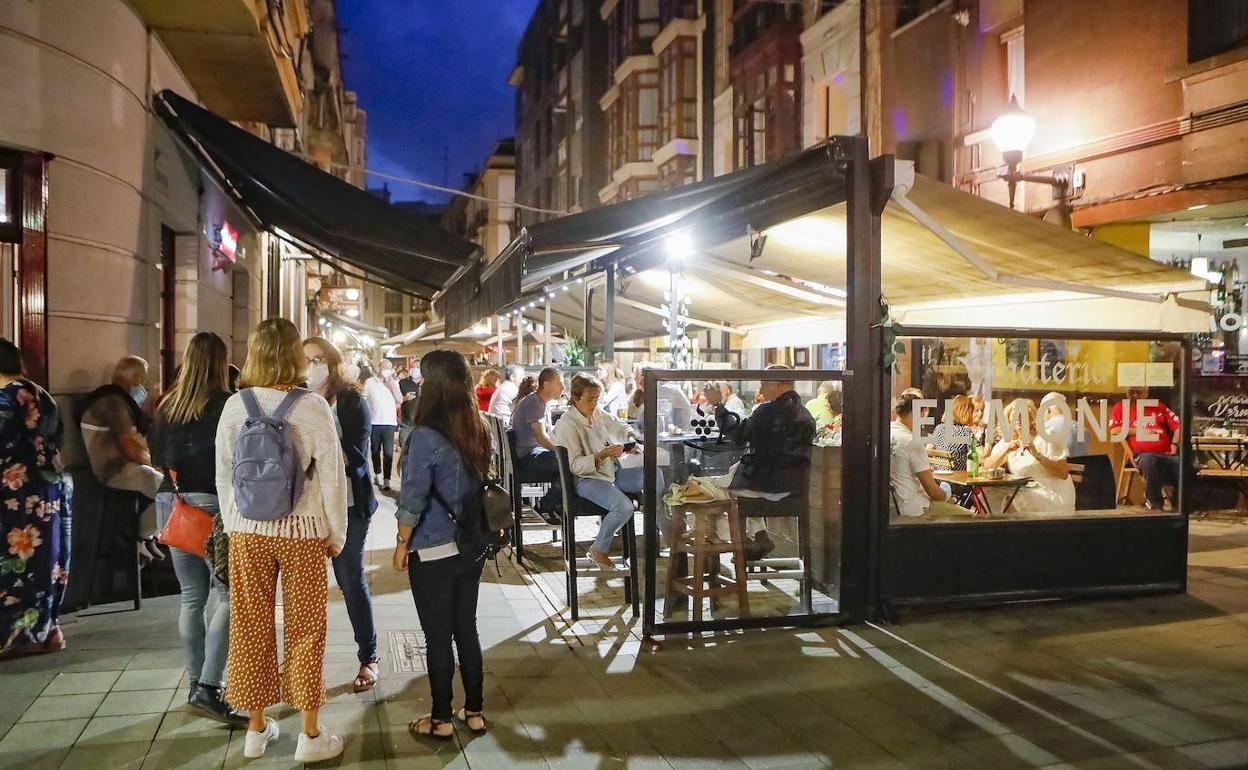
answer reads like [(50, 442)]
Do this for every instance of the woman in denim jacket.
[(448, 457), (183, 441)]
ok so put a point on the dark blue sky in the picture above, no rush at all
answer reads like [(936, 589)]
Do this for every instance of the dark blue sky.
[(432, 75)]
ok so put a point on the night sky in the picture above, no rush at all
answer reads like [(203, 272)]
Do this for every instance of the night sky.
[(432, 75)]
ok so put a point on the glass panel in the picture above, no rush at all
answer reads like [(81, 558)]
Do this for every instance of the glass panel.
[(6, 206), (1042, 428), (749, 521)]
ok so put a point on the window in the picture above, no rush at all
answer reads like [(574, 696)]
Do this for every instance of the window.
[(1012, 49), (678, 93), (394, 302), (1215, 26), (767, 116), (633, 120), (679, 171), (909, 10), (10, 209), (395, 325)]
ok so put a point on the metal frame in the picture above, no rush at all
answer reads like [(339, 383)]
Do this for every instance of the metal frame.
[(650, 532)]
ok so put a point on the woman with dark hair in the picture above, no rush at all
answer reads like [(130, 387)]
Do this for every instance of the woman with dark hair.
[(325, 376), (449, 456), (34, 514), (527, 386), (183, 443)]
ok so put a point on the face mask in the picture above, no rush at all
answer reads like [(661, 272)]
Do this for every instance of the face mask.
[(387, 373), (317, 374), (139, 394)]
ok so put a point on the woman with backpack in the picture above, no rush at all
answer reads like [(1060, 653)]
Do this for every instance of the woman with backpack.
[(283, 491), (182, 443), (447, 464), (325, 378)]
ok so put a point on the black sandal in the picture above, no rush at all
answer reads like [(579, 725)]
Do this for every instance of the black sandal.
[(427, 726), (364, 683), (466, 716)]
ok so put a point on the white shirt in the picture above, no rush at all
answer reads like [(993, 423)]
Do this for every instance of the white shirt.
[(321, 511), (503, 399), (382, 404), (735, 405), (614, 399), (583, 439), (907, 458), (1046, 493)]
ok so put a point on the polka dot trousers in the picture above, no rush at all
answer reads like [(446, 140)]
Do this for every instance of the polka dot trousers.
[(252, 678)]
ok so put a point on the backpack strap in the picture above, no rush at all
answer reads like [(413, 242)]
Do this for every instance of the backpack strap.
[(288, 402), (254, 412)]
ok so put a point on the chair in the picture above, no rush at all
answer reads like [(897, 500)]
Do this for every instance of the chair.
[(797, 507), (1127, 474), (574, 507), (705, 580), (939, 460), (519, 489)]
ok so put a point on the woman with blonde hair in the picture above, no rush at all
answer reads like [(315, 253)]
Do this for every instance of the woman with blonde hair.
[(1029, 454), (182, 442), (614, 400), (956, 438), (487, 383), (325, 377), (293, 547)]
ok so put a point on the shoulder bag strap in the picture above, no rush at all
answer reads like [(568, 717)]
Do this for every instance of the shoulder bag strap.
[(288, 402)]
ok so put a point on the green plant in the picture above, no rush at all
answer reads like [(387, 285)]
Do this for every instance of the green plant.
[(575, 351)]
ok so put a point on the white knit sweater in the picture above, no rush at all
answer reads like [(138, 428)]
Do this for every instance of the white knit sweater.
[(321, 511)]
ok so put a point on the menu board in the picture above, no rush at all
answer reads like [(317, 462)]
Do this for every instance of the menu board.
[(1219, 399)]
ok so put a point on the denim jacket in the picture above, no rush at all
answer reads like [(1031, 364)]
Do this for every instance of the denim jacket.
[(431, 462)]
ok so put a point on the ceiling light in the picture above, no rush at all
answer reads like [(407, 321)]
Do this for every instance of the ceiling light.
[(679, 248), (1197, 207)]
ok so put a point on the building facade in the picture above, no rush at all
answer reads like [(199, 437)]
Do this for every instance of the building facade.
[(125, 246)]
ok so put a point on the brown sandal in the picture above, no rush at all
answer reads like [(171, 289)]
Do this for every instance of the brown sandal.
[(365, 682), (469, 717), (427, 726)]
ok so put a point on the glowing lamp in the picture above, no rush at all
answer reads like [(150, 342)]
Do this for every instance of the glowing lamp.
[(1012, 132)]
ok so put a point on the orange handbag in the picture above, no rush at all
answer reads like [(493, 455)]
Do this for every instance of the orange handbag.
[(188, 527)]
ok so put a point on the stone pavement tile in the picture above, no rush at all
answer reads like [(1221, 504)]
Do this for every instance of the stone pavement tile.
[(1070, 744), (1190, 727), (114, 756), (180, 724), (402, 749), (1009, 750), (188, 753), (78, 661), (1227, 753), (280, 753), (148, 659), (49, 708), (1231, 716), (74, 684), (39, 744), (149, 679), (121, 702), (121, 729)]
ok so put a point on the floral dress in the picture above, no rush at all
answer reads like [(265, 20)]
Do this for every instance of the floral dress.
[(34, 516)]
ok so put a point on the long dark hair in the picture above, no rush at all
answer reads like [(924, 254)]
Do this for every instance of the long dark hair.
[(448, 405), (202, 375)]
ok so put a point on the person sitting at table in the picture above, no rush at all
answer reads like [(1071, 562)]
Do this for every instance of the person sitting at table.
[(1154, 440), (824, 406), (535, 451), (677, 411), (731, 401), (1027, 453), (503, 399), (595, 442), (914, 488), (955, 437), (614, 399)]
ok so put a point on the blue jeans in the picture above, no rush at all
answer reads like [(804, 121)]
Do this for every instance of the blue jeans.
[(614, 497), (205, 636), (349, 571)]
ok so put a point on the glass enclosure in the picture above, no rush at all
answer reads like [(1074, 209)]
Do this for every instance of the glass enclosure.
[(1036, 427), (743, 521)]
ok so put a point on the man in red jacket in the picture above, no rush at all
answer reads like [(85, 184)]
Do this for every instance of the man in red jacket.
[(1156, 454)]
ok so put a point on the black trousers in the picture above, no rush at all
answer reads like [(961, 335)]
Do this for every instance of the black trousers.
[(382, 439), (542, 467), (445, 591)]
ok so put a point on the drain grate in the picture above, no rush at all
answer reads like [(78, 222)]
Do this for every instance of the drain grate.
[(407, 650)]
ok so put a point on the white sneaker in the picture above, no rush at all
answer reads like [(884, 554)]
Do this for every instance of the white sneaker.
[(320, 748), (257, 741)]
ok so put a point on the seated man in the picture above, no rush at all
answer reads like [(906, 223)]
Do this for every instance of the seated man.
[(1156, 455), (535, 450), (502, 402), (914, 487), (778, 437), (113, 433)]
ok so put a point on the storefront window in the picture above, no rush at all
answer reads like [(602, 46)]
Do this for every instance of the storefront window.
[(746, 524), (1019, 428)]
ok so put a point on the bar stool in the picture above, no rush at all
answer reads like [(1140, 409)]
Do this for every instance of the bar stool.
[(706, 580), (574, 507), (516, 487)]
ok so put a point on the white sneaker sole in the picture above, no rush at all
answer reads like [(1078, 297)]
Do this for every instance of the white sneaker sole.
[(323, 756)]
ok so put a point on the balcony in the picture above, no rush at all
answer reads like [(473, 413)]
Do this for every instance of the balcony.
[(239, 58)]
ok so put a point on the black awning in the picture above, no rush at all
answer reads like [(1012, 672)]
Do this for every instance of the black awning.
[(714, 210), (319, 208)]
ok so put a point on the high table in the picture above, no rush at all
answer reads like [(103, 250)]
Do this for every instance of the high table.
[(976, 487)]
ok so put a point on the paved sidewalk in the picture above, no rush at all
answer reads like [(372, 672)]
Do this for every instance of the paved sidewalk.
[(1147, 683)]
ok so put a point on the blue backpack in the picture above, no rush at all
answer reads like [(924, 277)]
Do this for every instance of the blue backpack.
[(267, 474)]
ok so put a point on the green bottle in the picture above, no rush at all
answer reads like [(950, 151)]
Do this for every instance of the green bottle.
[(972, 460)]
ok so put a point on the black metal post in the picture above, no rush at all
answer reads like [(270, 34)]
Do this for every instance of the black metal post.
[(608, 315)]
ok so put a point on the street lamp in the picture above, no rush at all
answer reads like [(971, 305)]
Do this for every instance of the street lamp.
[(1012, 132)]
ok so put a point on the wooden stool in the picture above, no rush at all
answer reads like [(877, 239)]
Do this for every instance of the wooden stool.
[(705, 580)]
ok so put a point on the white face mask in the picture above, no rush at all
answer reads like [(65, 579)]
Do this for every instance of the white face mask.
[(387, 373), (317, 375)]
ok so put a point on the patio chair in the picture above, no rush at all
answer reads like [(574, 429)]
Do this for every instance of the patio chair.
[(521, 489), (575, 507)]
